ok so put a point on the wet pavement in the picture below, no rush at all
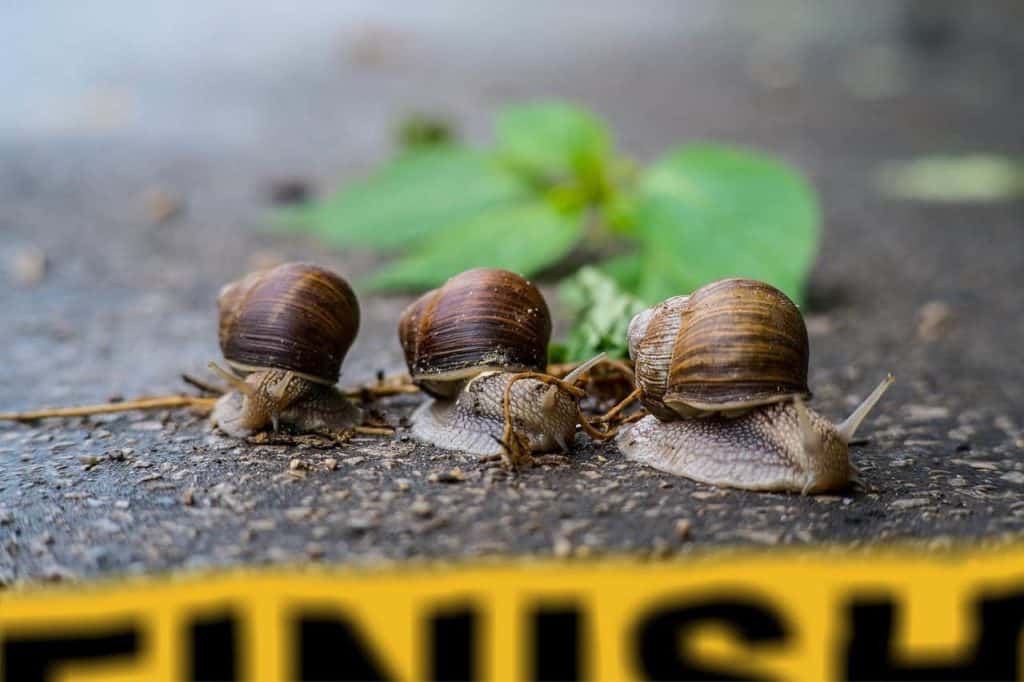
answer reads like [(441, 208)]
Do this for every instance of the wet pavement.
[(132, 187)]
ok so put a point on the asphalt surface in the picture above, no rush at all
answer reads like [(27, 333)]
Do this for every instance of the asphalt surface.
[(198, 132)]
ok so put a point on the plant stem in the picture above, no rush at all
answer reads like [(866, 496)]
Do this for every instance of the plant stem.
[(611, 414)]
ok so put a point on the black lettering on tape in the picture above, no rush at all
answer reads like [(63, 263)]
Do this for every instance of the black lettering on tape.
[(452, 647), (213, 649), (330, 648), (34, 658), (994, 656), (659, 637), (557, 644)]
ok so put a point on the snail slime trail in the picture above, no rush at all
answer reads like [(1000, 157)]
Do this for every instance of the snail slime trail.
[(284, 333), (723, 373)]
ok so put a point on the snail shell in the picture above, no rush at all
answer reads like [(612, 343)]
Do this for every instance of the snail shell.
[(296, 317), (287, 331), (464, 343), (652, 335), (724, 374), (741, 343), (480, 320)]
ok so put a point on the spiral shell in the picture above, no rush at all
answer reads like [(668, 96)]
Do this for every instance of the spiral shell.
[(741, 343), (480, 320), (296, 317), (652, 335)]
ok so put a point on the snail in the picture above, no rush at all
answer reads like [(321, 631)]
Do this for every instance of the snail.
[(723, 373), (286, 332), (468, 345)]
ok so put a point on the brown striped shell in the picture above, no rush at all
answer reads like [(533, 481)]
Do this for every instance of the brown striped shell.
[(479, 320), (296, 317), (652, 334), (741, 343)]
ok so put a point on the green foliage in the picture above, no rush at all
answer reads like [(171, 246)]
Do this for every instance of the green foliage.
[(424, 130), (413, 197), (707, 212), (522, 237), (974, 178), (553, 142), (604, 310), (551, 184)]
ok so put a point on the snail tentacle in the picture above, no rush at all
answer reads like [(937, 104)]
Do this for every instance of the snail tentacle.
[(849, 426)]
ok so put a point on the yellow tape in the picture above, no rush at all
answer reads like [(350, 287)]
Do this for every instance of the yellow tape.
[(791, 614)]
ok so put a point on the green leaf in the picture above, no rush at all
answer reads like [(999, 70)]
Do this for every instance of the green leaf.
[(524, 238), (552, 139), (417, 194), (706, 212), (626, 270), (602, 310), (953, 179), (419, 130)]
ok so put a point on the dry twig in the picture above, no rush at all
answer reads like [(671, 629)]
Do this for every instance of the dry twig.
[(374, 430), (516, 444), (157, 403), (613, 413), (202, 385)]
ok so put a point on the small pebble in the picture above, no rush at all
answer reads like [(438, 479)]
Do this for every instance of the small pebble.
[(421, 507), (453, 476), (262, 525), (296, 514), (660, 548), (818, 325), (909, 503), (934, 319), (924, 413), (29, 266), (762, 537), (289, 191), (161, 205), (683, 527)]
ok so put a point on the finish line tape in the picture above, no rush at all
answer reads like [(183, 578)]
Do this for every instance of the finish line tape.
[(821, 614)]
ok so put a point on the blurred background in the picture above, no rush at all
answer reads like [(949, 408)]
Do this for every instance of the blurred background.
[(144, 148), (142, 145)]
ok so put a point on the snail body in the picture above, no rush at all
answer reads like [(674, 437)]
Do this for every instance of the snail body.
[(724, 374), (284, 333), (474, 420), (465, 343)]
